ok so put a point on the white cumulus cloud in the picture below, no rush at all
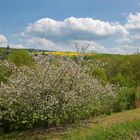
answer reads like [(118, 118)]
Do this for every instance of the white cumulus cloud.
[(74, 28), (133, 21), (102, 36), (42, 43), (3, 40)]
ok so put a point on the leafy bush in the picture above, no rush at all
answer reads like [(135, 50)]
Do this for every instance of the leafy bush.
[(52, 94), (126, 99), (1, 51), (138, 93), (20, 57), (119, 69), (5, 71), (59, 90), (99, 73)]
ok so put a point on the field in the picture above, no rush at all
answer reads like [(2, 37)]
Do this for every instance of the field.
[(68, 54), (63, 53), (63, 95)]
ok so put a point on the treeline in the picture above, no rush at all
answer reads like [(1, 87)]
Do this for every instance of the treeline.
[(122, 70)]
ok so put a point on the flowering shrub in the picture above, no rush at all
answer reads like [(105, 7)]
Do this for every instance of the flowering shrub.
[(55, 91)]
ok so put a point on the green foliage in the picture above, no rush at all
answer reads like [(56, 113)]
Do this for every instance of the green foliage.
[(60, 91), (4, 73), (50, 95), (121, 80), (125, 131), (99, 73), (126, 99), (20, 57), (124, 70), (1, 51), (119, 69), (138, 93)]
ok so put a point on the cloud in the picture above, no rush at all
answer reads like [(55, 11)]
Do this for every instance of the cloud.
[(129, 44), (136, 37), (60, 35), (74, 28), (124, 49), (127, 40), (3, 40), (92, 46), (44, 44), (4, 43), (16, 46), (133, 21), (102, 36)]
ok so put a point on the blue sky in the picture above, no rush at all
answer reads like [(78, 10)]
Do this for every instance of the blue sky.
[(15, 16)]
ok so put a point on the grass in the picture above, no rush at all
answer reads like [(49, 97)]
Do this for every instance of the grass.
[(124, 131), (100, 128)]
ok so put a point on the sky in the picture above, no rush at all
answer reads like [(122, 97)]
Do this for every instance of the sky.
[(107, 26)]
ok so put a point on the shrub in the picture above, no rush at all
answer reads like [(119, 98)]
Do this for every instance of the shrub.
[(5, 71), (51, 94), (126, 99), (138, 93), (1, 51), (119, 69), (99, 73), (20, 57)]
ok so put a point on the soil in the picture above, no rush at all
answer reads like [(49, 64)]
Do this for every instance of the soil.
[(138, 103)]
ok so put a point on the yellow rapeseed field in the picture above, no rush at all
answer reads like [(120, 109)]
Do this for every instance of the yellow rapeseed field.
[(66, 53)]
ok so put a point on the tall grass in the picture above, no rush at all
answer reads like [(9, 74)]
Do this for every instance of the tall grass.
[(124, 131)]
